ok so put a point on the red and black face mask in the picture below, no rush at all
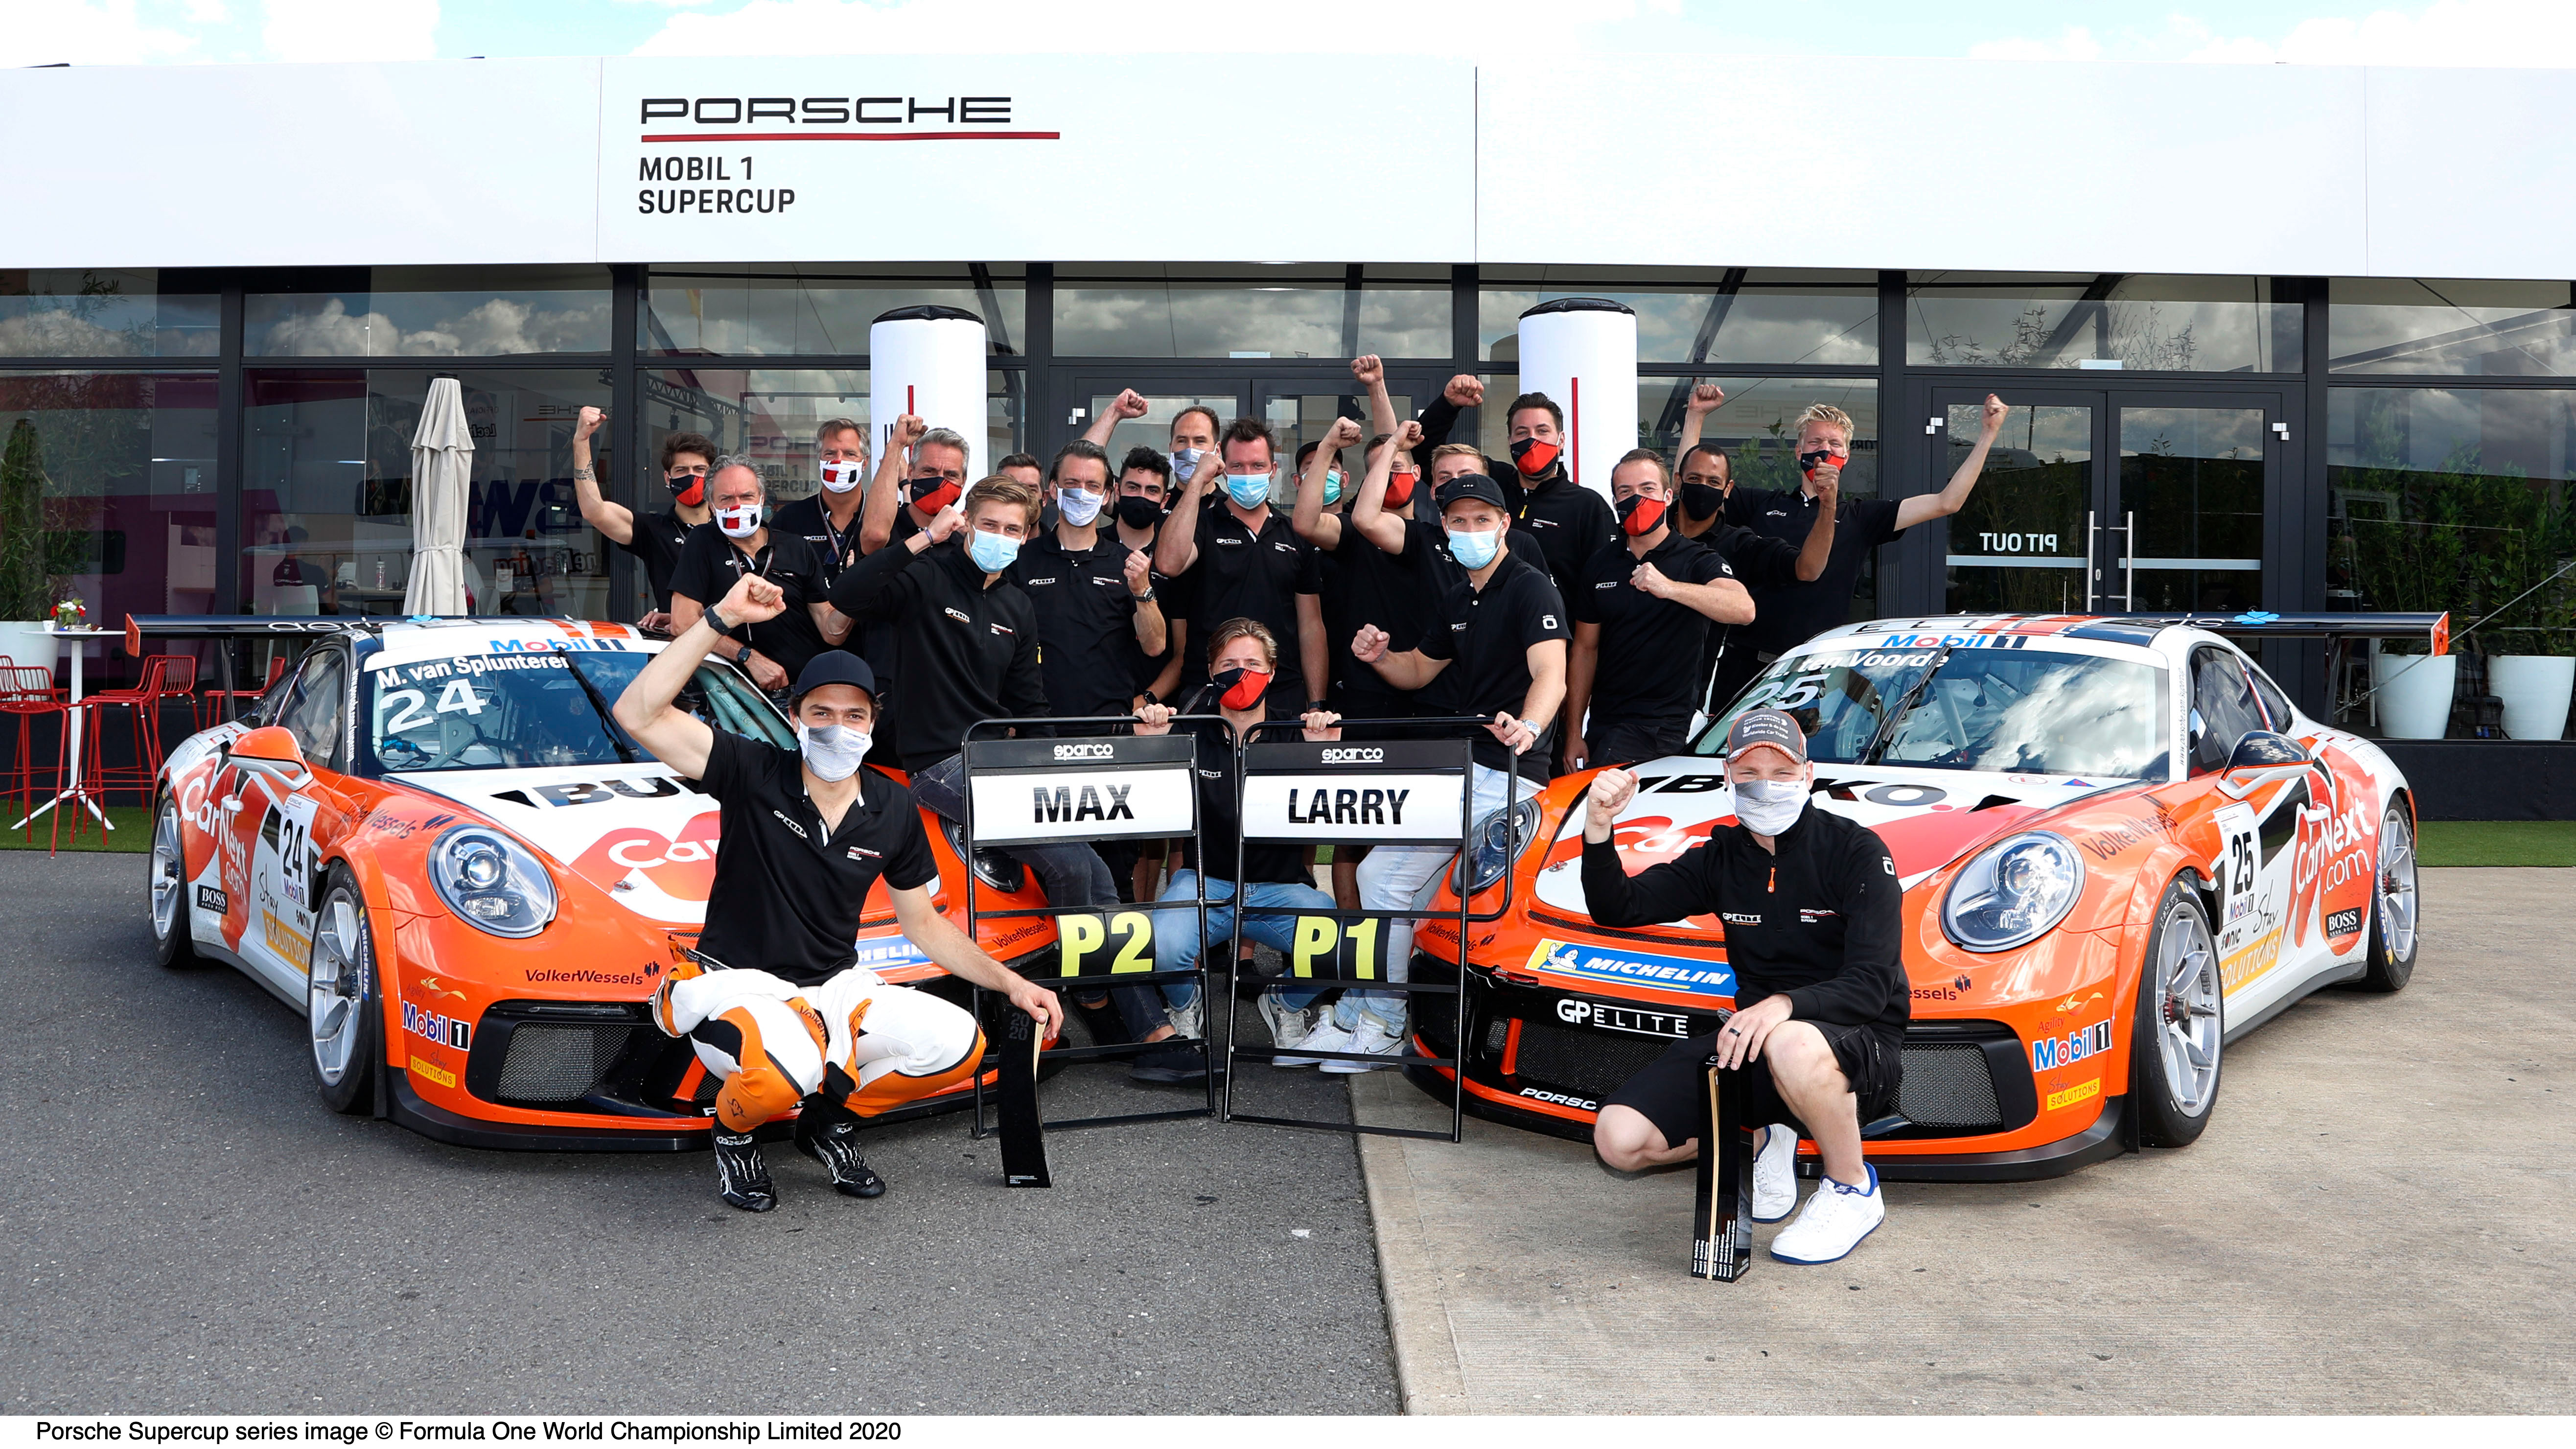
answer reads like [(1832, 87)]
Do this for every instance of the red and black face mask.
[(1640, 515), (1399, 489), (1809, 462), (1533, 457), (688, 491), (1242, 688), (933, 493)]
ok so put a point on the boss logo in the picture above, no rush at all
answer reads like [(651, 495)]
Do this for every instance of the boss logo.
[(1354, 757), (1086, 752)]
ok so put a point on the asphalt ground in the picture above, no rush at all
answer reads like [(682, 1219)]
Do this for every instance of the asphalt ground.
[(188, 1230), (2376, 1220)]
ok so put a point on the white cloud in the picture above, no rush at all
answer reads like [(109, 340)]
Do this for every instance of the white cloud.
[(350, 30), (2076, 44), (1401, 27), (86, 32), (207, 12), (2444, 32)]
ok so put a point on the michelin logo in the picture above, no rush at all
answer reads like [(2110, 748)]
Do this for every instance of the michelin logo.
[(1670, 973)]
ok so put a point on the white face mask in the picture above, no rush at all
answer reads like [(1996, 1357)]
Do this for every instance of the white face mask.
[(840, 475), (1077, 507), (833, 752), (1770, 807), (740, 522)]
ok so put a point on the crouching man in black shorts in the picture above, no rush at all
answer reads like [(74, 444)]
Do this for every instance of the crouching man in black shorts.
[(1810, 905)]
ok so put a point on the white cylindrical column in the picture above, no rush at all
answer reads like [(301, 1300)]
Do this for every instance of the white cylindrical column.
[(930, 362), (1582, 352)]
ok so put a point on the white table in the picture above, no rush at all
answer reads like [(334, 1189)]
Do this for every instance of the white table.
[(72, 732)]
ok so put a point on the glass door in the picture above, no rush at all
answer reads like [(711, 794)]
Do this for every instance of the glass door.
[(2109, 502), (1093, 392), (1301, 411)]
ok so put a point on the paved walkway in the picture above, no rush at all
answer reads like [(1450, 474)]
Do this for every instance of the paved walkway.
[(2377, 1220)]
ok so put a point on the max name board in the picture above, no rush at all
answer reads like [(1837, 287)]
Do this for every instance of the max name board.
[(1148, 800)]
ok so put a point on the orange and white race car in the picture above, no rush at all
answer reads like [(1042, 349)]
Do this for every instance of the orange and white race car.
[(2121, 847), (433, 840)]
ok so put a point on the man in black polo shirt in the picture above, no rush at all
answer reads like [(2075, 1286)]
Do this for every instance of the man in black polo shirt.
[(1502, 629), (1786, 617), (829, 520), (1570, 522), (777, 1009), (1095, 598), (924, 470), (735, 542), (1811, 905), (1640, 606), (654, 539), (1241, 560)]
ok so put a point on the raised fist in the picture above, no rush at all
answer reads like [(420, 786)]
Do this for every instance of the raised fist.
[(1612, 789), (1130, 404), (1408, 435), (946, 522), (909, 430), (1345, 431), (591, 418), (1707, 397), (1992, 418), (753, 600), (1139, 566), (1369, 370), (1650, 581), (1369, 644), (1466, 390)]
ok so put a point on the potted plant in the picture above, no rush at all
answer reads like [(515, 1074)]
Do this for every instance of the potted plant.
[(2411, 560), (26, 593), (2536, 680)]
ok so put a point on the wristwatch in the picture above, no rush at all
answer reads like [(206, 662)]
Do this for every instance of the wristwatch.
[(1149, 697), (1313, 705), (1146, 597), (717, 620)]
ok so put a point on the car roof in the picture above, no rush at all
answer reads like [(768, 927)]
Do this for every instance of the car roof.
[(409, 639), (2092, 628)]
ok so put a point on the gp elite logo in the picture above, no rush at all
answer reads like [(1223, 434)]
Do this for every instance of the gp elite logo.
[(2049, 1053)]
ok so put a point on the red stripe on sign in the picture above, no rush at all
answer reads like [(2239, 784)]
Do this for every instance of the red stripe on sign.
[(870, 136), (1574, 441)]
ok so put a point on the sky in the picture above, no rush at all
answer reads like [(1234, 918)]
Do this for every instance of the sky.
[(2294, 32)]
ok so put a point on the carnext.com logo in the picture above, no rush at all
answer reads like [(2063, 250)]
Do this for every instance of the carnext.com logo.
[(1669, 973)]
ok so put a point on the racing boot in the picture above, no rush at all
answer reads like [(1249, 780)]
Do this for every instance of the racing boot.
[(741, 1177), (830, 1135)]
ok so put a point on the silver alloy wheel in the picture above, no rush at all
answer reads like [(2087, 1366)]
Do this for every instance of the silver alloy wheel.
[(2396, 885), (2187, 1034), (169, 882), (336, 991)]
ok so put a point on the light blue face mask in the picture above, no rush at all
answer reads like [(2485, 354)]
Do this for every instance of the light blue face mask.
[(1248, 490), (1474, 550), (992, 552), (1332, 487)]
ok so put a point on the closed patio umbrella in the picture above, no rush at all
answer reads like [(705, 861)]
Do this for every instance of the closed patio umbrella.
[(442, 459)]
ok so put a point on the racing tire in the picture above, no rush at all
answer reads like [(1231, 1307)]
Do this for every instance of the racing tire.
[(2389, 961), (343, 999), (166, 893), (2177, 1038)]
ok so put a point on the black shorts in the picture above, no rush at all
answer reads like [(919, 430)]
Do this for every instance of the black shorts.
[(1671, 1088), (1627, 742)]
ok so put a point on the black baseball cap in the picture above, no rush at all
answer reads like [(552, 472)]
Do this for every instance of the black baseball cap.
[(1766, 728), (1469, 485), (835, 666)]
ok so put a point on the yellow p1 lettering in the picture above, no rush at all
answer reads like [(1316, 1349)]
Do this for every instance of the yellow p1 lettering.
[(1078, 936), (1317, 936)]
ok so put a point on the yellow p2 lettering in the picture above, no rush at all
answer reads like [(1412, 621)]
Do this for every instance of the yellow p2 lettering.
[(1077, 937)]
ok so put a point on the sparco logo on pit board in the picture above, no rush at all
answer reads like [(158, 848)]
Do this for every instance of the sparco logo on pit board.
[(1354, 757), (1086, 752)]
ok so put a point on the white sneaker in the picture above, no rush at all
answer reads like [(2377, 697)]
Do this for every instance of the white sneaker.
[(1326, 1036), (1836, 1219), (1287, 1027), (1185, 1019), (1775, 1174), (1371, 1039)]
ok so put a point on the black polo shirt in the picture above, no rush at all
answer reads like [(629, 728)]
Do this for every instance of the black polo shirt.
[(1240, 575), (1570, 523), (1791, 614), (1364, 584), (808, 519), (968, 652), (1487, 640), (1143, 668), (1643, 671), (787, 893), (1086, 622), (1220, 782), (1437, 575), (656, 541), (709, 565)]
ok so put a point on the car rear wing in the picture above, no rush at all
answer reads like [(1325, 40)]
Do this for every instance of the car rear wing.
[(2435, 629), (139, 627)]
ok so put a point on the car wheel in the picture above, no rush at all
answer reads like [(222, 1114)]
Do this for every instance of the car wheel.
[(343, 1010), (168, 892), (2174, 1048), (2390, 961)]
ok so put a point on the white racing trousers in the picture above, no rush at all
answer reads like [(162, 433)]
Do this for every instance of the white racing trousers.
[(859, 1041)]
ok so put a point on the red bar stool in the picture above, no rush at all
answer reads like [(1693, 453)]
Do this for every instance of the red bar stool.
[(165, 676), (214, 704), (27, 694)]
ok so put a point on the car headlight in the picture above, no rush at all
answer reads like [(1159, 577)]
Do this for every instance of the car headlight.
[(2012, 892), (995, 867), (1490, 845), (491, 882)]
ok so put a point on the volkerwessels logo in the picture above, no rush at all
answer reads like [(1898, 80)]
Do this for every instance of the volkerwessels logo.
[(1354, 757), (1086, 752)]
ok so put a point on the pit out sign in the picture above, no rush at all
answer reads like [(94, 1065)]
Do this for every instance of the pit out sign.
[(2017, 542)]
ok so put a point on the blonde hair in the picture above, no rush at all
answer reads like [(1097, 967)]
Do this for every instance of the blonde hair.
[(1830, 416), (1452, 450), (1002, 488), (1233, 629)]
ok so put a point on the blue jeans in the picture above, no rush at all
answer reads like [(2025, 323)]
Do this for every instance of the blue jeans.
[(1177, 944)]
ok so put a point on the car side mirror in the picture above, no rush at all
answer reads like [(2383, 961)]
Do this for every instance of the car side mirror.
[(2262, 750), (271, 750)]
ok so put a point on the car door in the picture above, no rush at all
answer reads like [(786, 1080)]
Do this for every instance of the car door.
[(2258, 833), (277, 823)]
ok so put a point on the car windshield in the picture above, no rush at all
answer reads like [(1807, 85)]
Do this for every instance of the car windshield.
[(520, 709), (2004, 710)]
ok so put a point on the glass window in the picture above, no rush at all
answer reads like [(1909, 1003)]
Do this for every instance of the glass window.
[(529, 710), (2454, 499), (104, 312), (2112, 320), (107, 495), (431, 312), (750, 311), (2226, 706), (1756, 427), (769, 415), (1281, 311), (2500, 329), (326, 497), (314, 715), (1701, 314)]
